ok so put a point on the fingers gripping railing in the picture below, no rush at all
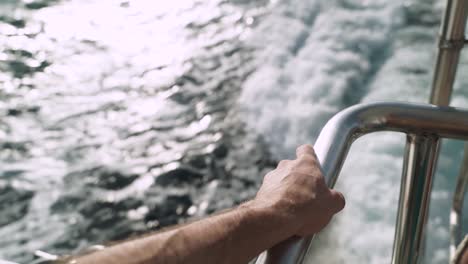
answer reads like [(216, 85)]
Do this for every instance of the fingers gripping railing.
[(424, 125)]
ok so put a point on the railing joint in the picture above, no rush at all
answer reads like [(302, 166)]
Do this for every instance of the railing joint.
[(452, 44)]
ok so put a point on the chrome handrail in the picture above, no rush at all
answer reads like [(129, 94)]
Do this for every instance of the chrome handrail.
[(451, 40), (426, 121)]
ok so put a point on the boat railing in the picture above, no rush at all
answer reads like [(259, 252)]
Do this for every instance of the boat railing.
[(425, 126)]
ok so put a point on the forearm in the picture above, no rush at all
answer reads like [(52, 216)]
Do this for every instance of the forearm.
[(293, 200), (235, 236)]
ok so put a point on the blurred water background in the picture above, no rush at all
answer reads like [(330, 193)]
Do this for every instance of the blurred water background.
[(118, 117)]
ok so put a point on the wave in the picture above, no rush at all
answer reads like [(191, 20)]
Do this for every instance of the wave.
[(317, 58)]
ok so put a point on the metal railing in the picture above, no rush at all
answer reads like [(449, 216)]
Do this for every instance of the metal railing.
[(424, 126), (452, 40), (456, 224)]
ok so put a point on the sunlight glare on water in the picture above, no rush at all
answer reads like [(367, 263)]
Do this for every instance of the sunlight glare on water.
[(115, 114), (119, 117), (161, 44)]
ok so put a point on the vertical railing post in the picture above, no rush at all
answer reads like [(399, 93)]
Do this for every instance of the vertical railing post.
[(416, 183), (451, 41), (422, 151), (456, 213)]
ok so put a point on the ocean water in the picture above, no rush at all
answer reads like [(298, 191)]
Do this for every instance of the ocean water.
[(120, 117)]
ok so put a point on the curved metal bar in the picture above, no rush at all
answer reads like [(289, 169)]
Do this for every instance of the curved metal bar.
[(339, 133)]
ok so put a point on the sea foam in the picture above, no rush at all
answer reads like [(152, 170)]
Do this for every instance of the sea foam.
[(318, 58)]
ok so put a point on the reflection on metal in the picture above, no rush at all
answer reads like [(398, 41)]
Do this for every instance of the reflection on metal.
[(456, 216), (416, 183), (424, 123), (292, 250), (451, 40), (45, 256)]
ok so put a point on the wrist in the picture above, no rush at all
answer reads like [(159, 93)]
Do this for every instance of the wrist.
[(277, 219)]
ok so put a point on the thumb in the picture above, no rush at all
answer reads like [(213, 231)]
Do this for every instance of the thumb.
[(338, 199)]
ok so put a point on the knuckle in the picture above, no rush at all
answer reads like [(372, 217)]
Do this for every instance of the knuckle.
[(298, 179), (306, 149), (320, 179), (306, 146), (284, 163), (268, 175), (308, 160)]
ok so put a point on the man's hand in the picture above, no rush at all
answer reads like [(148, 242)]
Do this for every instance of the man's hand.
[(297, 189), (293, 200)]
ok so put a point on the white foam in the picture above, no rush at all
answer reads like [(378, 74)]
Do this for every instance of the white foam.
[(311, 65), (319, 60)]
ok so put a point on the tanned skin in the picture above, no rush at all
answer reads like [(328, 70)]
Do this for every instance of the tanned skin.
[(292, 201)]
